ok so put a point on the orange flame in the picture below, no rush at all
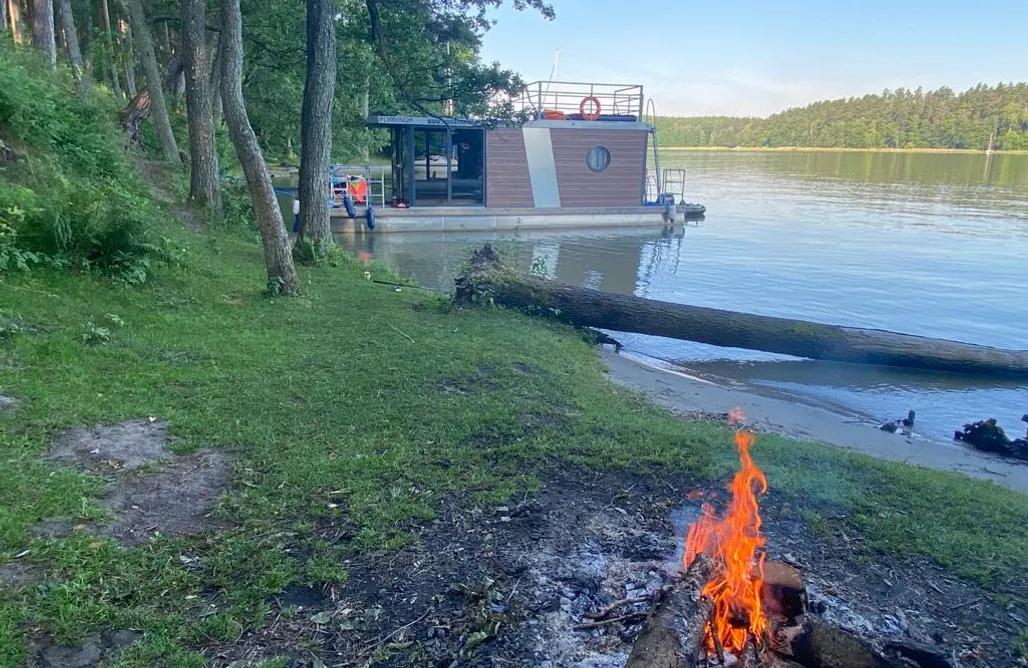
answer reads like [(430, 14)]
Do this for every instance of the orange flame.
[(733, 543)]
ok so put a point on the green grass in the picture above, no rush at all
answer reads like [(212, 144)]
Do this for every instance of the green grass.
[(325, 400)]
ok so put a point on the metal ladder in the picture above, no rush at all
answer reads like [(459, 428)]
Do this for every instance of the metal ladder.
[(651, 107), (674, 184)]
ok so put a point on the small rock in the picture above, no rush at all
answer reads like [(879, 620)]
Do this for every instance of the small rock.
[(7, 403), (565, 604), (567, 592)]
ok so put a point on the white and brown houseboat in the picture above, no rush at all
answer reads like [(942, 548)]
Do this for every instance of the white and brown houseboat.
[(580, 160)]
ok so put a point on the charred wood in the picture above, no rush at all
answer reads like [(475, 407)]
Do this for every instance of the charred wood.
[(672, 636)]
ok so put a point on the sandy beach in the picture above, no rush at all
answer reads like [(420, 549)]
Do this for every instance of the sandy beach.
[(787, 416)]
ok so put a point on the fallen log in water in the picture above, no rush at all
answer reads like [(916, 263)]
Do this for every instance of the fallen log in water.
[(486, 280), (672, 636)]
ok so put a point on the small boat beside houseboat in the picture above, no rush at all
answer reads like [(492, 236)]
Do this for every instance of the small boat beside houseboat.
[(579, 160)]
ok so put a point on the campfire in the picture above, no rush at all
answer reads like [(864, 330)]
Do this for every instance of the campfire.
[(734, 545), (732, 607)]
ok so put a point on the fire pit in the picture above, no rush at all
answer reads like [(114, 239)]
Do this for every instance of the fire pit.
[(731, 607)]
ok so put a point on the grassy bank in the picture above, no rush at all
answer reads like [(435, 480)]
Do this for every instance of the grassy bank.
[(815, 149), (362, 406)]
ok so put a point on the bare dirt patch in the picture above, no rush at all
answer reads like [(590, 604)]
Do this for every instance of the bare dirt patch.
[(13, 576), (151, 490), (519, 584), (97, 647), (7, 403)]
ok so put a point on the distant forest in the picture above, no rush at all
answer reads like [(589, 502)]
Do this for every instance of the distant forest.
[(895, 119)]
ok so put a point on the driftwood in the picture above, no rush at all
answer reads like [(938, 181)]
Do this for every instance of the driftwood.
[(672, 636), (987, 436), (487, 281), (138, 108)]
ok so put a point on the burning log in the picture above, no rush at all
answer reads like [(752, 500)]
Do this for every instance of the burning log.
[(673, 634), (487, 281)]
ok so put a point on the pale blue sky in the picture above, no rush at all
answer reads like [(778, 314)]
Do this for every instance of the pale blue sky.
[(746, 57)]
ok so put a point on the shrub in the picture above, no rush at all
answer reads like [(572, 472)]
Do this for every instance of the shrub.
[(74, 199)]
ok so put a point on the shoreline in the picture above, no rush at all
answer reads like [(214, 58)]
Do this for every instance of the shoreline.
[(686, 395), (837, 149)]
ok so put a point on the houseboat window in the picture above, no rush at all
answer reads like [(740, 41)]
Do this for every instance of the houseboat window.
[(598, 158)]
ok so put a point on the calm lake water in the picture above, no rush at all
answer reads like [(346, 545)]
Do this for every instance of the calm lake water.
[(918, 243)]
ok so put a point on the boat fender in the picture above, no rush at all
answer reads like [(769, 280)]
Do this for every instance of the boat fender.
[(669, 212), (371, 218), (351, 211)]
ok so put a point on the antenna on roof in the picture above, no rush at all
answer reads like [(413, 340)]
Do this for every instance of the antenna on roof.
[(554, 73)]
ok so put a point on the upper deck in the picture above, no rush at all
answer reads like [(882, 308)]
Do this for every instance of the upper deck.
[(575, 101)]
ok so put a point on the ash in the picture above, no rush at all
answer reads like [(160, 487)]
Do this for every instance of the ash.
[(614, 556)]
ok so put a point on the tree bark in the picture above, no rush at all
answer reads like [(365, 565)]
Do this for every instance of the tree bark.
[(3, 15), (43, 37), (672, 636), (112, 58), (130, 63), (71, 38), (277, 254), (487, 279), (316, 122), (141, 33), (204, 186)]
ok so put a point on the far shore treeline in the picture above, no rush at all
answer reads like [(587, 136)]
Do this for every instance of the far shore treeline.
[(899, 119)]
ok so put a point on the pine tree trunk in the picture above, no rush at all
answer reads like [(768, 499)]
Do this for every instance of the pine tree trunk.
[(141, 33), (43, 37), (277, 254), (3, 15), (14, 17), (204, 188), (112, 58), (215, 86), (316, 122), (71, 38), (130, 64)]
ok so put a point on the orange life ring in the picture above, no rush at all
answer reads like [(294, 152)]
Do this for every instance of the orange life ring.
[(593, 115)]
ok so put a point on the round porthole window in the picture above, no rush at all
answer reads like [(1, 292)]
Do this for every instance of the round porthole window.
[(598, 158)]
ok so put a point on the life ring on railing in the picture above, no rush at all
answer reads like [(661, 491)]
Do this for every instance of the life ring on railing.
[(593, 115)]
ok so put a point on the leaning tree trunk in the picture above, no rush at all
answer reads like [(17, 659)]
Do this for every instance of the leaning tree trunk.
[(141, 33), (43, 37), (673, 634), (316, 122), (486, 279), (204, 187), (112, 59), (71, 39), (277, 255)]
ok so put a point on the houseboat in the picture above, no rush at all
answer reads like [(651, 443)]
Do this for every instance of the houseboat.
[(580, 159)]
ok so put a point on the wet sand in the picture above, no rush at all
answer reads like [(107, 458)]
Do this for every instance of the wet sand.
[(789, 416)]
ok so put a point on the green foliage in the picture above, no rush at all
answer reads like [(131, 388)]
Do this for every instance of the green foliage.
[(1021, 643), (895, 119), (73, 200)]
